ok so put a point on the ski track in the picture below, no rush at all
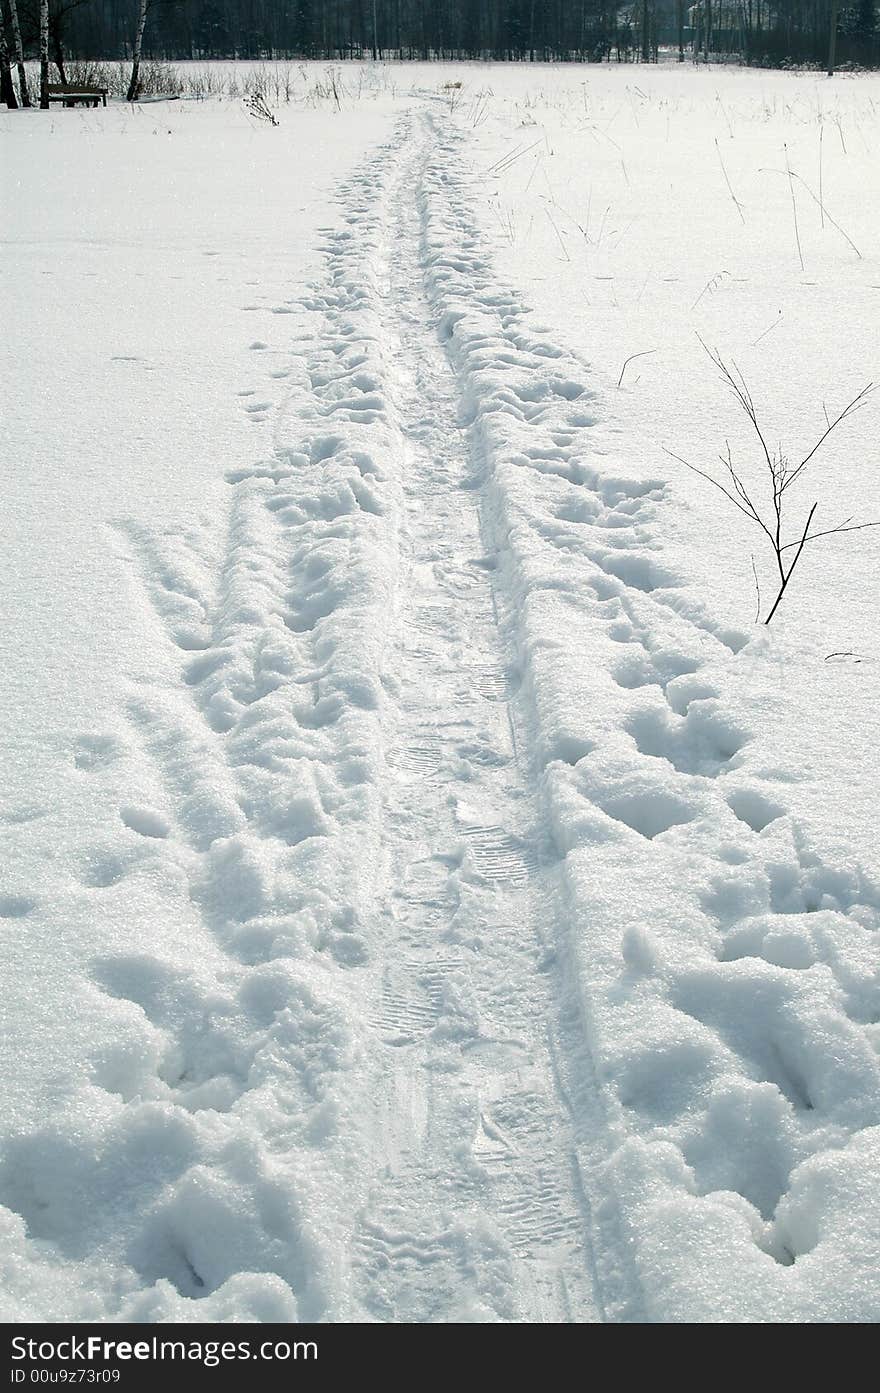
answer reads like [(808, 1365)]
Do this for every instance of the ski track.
[(494, 956)]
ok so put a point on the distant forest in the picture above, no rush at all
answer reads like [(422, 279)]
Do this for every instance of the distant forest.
[(749, 31)]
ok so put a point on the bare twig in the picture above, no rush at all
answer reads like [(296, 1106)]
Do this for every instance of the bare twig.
[(558, 233), (832, 531), (256, 105), (645, 353), (792, 174), (768, 330), (781, 474), (502, 165), (797, 235), (728, 183), (712, 284)]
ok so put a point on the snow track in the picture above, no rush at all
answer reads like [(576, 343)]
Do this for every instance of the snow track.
[(721, 978), (480, 978), (474, 1212)]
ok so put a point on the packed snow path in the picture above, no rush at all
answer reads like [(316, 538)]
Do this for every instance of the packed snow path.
[(478, 1136), (499, 993)]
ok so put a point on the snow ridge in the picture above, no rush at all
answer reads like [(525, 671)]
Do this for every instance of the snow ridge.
[(727, 996)]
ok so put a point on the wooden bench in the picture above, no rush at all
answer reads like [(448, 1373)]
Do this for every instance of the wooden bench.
[(79, 92)]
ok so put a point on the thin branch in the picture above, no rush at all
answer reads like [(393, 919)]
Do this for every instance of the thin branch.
[(729, 185), (825, 214), (742, 394), (793, 174), (645, 353), (776, 321), (750, 513), (831, 531), (502, 165), (858, 401), (792, 566), (797, 235)]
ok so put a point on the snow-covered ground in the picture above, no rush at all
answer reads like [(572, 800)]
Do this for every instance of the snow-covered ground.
[(427, 894)]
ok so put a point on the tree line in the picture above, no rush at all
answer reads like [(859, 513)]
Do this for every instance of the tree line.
[(770, 32)]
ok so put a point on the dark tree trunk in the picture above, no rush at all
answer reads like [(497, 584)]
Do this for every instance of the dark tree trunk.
[(7, 91), (58, 52), (44, 55)]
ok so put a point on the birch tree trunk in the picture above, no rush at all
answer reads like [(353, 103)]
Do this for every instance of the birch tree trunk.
[(132, 95), (44, 55), (19, 54), (7, 91)]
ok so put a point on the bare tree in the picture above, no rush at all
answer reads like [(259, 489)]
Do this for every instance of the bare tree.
[(132, 94), (59, 10), (7, 91), (19, 53), (144, 7), (58, 22), (786, 545)]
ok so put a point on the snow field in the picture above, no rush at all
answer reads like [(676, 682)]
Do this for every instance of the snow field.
[(451, 936), (146, 1187)]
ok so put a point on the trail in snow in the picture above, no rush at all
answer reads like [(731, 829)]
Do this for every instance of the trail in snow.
[(497, 992), (475, 1183), (724, 975), (345, 1082)]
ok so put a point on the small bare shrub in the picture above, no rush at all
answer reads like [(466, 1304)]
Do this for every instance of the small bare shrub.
[(780, 473), (255, 103)]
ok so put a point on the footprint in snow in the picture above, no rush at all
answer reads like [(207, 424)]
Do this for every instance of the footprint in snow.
[(145, 821), (16, 906), (96, 752), (752, 808)]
